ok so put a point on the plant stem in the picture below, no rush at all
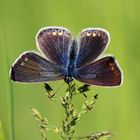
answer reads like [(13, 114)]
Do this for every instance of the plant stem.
[(66, 132), (71, 116), (10, 91)]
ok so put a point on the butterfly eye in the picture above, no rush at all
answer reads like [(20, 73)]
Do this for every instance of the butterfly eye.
[(68, 79)]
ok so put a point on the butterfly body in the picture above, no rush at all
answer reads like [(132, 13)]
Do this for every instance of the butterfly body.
[(67, 58)]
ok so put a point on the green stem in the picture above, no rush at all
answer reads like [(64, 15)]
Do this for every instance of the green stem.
[(10, 93), (70, 114), (66, 132)]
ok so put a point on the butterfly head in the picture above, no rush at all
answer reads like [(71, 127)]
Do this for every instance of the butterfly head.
[(68, 79)]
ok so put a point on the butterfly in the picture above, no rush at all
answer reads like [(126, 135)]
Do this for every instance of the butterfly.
[(64, 57)]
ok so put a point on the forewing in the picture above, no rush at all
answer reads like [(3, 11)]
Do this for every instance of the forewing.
[(104, 72), (30, 67), (55, 42), (92, 43)]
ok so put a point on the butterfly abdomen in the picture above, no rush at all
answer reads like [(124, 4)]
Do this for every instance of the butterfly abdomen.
[(72, 58)]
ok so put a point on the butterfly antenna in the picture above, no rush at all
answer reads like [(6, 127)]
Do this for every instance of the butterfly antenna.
[(59, 87), (83, 89), (49, 91)]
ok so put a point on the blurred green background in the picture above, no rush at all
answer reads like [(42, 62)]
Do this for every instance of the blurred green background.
[(117, 108)]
